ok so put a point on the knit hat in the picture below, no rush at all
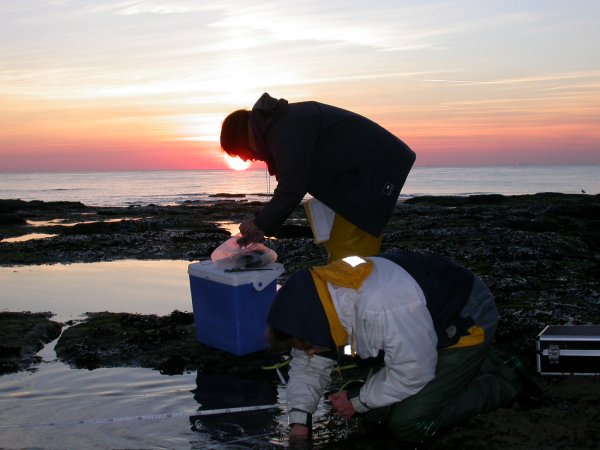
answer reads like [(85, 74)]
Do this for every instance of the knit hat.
[(234, 133), (297, 311)]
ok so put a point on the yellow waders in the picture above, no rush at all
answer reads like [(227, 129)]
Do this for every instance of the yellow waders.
[(346, 239)]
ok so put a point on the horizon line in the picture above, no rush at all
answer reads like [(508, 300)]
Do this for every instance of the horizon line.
[(227, 169)]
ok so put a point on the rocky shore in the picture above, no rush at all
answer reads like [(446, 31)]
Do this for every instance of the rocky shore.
[(22, 335), (540, 255)]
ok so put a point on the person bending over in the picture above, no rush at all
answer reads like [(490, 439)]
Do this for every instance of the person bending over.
[(346, 161)]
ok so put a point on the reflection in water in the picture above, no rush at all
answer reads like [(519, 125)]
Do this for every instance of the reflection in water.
[(233, 228), (227, 391), (159, 409), (43, 409), (61, 222), (248, 427), (59, 407), (28, 237), (57, 223), (45, 223), (69, 290)]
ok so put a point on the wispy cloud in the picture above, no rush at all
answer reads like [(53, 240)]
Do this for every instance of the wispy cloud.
[(133, 7), (179, 65), (542, 78)]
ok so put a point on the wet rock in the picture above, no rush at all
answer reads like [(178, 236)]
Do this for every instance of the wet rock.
[(536, 252), (11, 205), (22, 335), (164, 343), (226, 195), (11, 219)]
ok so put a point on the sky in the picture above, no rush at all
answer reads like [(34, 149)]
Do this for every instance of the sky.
[(145, 84)]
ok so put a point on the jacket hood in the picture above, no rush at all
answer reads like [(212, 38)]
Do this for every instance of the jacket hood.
[(270, 105), (297, 311), (264, 112)]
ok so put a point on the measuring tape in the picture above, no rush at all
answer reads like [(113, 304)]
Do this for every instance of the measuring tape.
[(191, 413)]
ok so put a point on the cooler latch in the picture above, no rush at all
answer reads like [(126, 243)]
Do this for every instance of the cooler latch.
[(259, 285), (553, 354)]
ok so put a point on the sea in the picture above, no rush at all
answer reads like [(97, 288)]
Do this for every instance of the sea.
[(126, 188), (56, 406)]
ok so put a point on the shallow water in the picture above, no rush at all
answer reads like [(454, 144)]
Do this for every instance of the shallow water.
[(59, 407), (69, 290), (29, 237), (126, 407)]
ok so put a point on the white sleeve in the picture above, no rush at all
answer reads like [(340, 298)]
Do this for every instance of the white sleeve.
[(406, 334), (308, 378)]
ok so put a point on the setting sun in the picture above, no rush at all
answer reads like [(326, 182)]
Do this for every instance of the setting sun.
[(146, 85), (235, 162)]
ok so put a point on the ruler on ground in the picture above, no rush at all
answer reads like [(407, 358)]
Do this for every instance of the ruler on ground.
[(105, 420)]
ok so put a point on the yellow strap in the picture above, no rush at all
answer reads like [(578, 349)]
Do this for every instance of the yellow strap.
[(338, 332), (476, 336), (343, 274)]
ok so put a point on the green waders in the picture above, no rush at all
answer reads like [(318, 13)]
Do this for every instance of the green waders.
[(468, 381)]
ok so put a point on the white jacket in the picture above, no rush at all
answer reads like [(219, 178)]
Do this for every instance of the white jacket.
[(388, 312)]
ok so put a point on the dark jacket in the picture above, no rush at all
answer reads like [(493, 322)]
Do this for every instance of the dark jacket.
[(447, 287), (348, 162)]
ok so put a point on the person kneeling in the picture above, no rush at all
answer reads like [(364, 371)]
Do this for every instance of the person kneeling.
[(433, 319)]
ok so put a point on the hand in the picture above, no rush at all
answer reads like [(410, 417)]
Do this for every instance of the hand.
[(250, 232), (299, 431), (342, 406)]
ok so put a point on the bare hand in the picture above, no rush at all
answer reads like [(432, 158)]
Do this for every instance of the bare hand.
[(299, 431), (342, 406), (250, 232)]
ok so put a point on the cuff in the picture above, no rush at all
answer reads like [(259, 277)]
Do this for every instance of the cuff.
[(357, 404), (266, 230), (300, 417)]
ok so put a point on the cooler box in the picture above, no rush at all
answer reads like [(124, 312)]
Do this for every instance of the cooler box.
[(230, 308), (568, 350)]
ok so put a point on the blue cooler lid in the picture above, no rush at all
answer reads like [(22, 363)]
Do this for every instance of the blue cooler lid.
[(259, 279)]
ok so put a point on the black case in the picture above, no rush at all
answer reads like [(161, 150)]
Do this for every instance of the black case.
[(568, 350)]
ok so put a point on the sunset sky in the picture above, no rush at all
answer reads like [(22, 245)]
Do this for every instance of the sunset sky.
[(145, 84)]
